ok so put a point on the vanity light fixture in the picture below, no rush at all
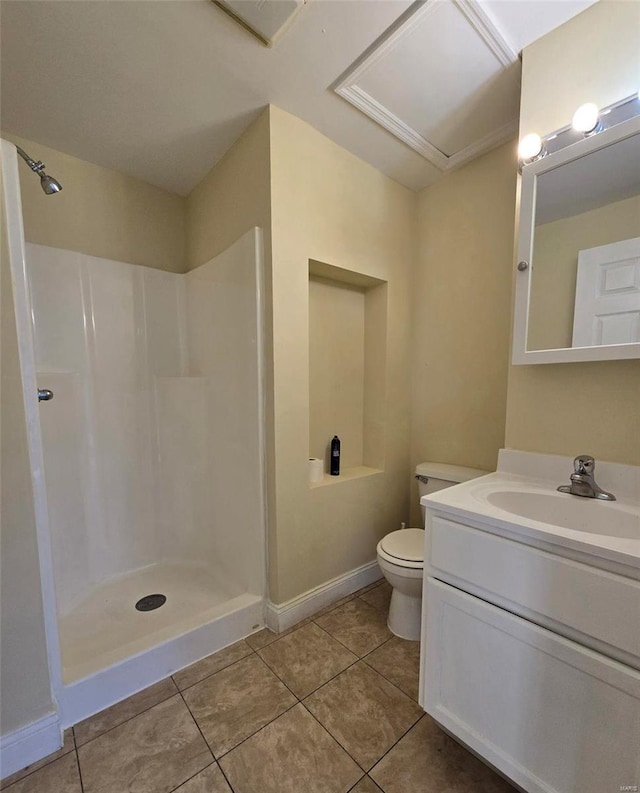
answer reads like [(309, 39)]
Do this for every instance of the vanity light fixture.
[(531, 148), (586, 119)]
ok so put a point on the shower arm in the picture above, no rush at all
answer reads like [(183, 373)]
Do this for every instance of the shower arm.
[(37, 167), (50, 185)]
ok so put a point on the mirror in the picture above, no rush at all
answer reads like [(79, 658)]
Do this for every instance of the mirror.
[(578, 281)]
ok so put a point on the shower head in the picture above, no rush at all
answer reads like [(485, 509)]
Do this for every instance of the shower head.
[(48, 183)]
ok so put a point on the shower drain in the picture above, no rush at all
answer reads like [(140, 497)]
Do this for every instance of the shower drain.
[(151, 602)]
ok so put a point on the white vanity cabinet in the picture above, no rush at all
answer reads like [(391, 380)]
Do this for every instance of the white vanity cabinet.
[(531, 657)]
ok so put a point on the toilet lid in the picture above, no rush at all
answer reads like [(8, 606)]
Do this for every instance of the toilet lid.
[(407, 544)]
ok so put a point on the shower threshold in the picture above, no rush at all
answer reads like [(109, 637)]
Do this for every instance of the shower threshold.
[(110, 649)]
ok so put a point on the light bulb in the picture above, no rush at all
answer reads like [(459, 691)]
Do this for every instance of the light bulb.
[(530, 146), (586, 119)]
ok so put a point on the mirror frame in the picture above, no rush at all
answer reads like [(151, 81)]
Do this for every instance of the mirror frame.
[(526, 229)]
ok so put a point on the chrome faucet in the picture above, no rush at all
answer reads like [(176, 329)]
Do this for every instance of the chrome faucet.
[(583, 482)]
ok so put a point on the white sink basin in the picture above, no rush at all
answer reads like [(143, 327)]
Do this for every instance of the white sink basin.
[(606, 518), (523, 504)]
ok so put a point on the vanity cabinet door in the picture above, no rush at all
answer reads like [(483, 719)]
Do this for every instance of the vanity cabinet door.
[(553, 716)]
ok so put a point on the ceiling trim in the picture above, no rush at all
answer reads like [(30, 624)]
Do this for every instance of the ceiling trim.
[(347, 87), (378, 112), (487, 30)]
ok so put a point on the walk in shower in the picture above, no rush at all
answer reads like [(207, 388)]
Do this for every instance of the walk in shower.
[(152, 450)]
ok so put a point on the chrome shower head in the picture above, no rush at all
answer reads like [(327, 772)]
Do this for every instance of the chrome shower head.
[(48, 183)]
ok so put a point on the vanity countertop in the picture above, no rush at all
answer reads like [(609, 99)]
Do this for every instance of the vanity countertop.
[(525, 506)]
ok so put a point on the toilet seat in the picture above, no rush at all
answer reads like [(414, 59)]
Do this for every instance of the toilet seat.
[(404, 548)]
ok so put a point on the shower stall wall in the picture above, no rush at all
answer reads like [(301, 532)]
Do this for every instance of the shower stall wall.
[(153, 461)]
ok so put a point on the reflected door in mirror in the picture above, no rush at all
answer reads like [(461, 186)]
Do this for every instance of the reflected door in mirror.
[(607, 308)]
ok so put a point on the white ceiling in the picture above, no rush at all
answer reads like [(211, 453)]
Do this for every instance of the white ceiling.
[(160, 89)]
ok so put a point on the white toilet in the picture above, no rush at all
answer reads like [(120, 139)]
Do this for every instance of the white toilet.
[(401, 553)]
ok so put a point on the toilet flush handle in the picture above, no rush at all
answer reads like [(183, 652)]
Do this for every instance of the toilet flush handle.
[(423, 479)]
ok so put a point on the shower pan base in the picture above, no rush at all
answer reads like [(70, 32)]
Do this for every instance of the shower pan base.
[(111, 650)]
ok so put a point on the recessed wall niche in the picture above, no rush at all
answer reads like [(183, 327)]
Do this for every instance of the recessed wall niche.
[(347, 362)]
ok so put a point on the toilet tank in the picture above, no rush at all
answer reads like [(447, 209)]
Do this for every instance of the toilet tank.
[(436, 476)]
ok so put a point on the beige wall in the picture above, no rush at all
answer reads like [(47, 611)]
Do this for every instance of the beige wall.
[(101, 212), (233, 197), (594, 57), (462, 313), (553, 278), (587, 407), (336, 369), (329, 206), (24, 675)]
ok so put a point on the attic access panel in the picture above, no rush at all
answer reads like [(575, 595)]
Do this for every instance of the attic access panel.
[(442, 79)]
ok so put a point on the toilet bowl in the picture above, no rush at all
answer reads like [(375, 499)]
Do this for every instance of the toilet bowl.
[(401, 560), (401, 553)]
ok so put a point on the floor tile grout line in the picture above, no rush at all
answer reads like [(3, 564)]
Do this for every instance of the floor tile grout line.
[(75, 748), (79, 769), (178, 693), (375, 649), (193, 776), (326, 682), (393, 745), (395, 742), (224, 754), (364, 602), (317, 688), (353, 787), (115, 726), (213, 754), (226, 778), (329, 680), (253, 734), (386, 641), (332, 607), (279, 636), (333, 737), (273, 672), (377, 608), (365, 776), (335, 638), (206, 677), (395, 685), (360, 657)]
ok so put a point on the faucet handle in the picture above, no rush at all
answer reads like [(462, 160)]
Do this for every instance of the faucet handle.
[(584, 464)]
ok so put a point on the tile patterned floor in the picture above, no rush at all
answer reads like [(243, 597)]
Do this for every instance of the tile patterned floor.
[(328, 706)]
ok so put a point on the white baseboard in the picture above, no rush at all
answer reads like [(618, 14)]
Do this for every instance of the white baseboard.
[(29, 744), (280, 617)]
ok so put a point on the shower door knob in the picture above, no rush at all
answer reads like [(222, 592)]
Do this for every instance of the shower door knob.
[(44, 395)]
